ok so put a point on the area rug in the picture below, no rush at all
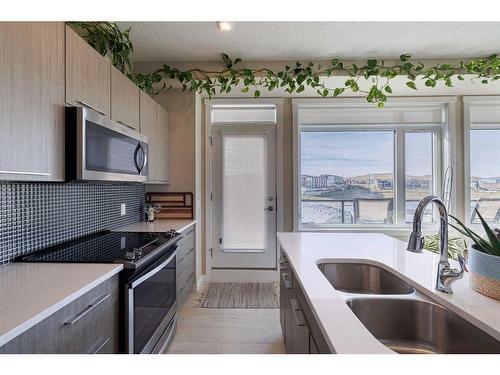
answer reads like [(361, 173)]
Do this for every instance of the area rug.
[(241, 296)]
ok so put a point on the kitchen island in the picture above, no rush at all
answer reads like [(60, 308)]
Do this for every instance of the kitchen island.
[(342, 331)]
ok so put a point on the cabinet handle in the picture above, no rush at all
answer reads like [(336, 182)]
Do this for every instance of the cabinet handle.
[(26, 173), (91, 107), (88, 309), (286, 280), (297, 313), (127, 125), (99, 346)]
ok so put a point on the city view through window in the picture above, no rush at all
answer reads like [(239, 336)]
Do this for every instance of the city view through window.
[(485, 174), (348, 177)]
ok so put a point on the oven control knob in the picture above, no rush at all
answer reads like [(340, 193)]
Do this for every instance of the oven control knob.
[(138, 252), (130, 255)]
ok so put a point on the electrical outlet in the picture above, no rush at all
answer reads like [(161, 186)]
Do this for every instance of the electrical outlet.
[(123, 209)]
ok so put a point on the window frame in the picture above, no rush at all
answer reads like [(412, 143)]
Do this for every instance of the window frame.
[(442, 150), (468, 103)]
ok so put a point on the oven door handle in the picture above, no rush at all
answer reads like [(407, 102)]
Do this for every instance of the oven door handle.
[(154, 271)]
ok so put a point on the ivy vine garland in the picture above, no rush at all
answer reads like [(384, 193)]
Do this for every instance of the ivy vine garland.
[(107, 38)]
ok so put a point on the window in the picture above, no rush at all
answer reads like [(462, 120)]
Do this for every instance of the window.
[(485, 174), (482, 126), (366, 168), (347, 177), (419, 172)]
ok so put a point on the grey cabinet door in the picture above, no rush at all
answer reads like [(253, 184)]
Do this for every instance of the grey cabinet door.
[(124, 100), (90, 324), (313, 349), (186, 265), (32, 101), (163, 157), (298, 328), (88, 75), (149, 127)]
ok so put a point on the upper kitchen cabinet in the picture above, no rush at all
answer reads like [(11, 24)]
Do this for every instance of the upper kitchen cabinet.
[(88, 75), (155, 125), (32, 101), (163, 157), (124, 100), (149, 127)]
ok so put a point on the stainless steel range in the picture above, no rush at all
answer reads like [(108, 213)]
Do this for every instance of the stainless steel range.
[(148, 282)]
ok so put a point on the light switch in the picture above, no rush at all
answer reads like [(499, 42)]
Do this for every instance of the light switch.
[(123, 209)]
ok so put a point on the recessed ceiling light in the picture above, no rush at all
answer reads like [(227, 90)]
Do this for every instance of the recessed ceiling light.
[(224, 25)]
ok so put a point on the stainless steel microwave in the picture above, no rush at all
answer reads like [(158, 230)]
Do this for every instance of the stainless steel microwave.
[(98, 149)]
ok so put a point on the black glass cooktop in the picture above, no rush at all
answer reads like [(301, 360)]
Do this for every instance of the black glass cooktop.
[(102, 247)]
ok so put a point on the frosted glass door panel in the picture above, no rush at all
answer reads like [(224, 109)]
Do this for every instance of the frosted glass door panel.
[(244, 192)]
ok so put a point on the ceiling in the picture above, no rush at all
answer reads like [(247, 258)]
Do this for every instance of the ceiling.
[(203, 41)]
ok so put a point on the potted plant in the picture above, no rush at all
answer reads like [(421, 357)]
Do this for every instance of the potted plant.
[(483, 258)]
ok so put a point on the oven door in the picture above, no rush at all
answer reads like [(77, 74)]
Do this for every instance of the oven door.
[(151, 306), (107, 150)]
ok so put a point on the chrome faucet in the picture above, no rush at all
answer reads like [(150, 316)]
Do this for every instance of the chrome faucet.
[(445, 275)]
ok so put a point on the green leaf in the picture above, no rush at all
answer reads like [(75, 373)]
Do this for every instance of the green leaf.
[(338, 91), (411, 85), (478, 240), (388, 89), (495, 243), (245, 89), (256, 94), (404, 57), (300, 88), (380, 104)]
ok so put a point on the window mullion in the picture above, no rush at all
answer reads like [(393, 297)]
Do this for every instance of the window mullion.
[(400, 186)]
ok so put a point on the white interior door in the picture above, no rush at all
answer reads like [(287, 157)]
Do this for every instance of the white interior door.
[(244, 196)]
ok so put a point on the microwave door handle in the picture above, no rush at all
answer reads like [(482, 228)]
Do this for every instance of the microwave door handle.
[(145, 158), (136, 153)]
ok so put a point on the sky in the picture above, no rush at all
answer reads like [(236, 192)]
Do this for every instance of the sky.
[(357, 153), (485, 153)]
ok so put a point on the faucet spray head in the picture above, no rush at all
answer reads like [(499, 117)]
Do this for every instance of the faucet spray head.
[(415, 242)]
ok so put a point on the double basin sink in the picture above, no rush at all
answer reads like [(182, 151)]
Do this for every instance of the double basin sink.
[(402, 318)]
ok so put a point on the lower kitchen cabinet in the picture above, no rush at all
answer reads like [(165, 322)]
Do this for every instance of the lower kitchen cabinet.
[(90, 324), (301, 332), (186, 271)]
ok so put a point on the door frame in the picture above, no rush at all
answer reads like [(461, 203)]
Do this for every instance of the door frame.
[(278, 102)]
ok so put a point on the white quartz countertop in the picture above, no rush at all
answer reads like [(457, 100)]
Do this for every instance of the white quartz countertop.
[(30, 292), (159, 226), (342, 329)]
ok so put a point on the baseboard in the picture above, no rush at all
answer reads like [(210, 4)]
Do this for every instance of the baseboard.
[(243, 275), (199, 283)]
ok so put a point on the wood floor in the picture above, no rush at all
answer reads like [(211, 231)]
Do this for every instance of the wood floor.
[(226, 331)]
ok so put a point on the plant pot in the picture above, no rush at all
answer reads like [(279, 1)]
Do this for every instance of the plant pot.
[(484, 272)]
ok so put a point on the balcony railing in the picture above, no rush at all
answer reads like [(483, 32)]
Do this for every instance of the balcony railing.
[(341, 211)]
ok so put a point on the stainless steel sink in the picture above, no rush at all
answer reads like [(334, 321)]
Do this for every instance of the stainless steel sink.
[(361, 278), (416, 326)]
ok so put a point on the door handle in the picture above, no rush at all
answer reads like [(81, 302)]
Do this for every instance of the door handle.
[(269, 208)]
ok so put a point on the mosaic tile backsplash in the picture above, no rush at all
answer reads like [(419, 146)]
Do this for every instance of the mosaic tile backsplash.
[(36, 215)]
